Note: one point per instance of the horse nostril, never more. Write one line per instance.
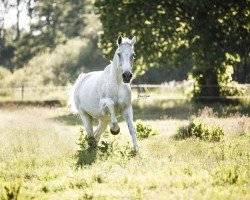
(123, 75)
(130, 75)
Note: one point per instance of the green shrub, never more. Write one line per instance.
(200, 130)
(4, 75)
(5, 92)
(4, 72)
(144, 131)
(89, 151)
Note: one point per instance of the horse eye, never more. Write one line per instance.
(119, 54)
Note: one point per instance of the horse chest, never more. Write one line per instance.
(120, 97)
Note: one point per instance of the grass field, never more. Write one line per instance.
(39, 154)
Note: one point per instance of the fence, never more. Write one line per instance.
(174, 91)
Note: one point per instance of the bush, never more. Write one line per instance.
(5, 93)
(89, 151)
(200, 130)
(18, 78)
(4, 73)
(144, 131)
(58, 67)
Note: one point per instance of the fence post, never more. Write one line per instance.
(22, 91)
(138, 91)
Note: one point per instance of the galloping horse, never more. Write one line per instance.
(105, 94)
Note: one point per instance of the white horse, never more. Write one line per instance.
(105, 94)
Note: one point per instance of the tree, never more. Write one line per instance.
(17, 19)
(54, 22)
(6, 49)
(213, 35)
(58, 20)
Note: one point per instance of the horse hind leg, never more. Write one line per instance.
(102, 126)
(87, 122)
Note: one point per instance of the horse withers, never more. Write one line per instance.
(105, 94)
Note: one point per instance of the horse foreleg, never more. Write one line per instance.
(108, 103)
(127, 114)
(100, 129)
(87, 122)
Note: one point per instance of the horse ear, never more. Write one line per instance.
(119, 40)
(133, 40)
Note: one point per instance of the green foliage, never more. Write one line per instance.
(227, 175)
(58, 67)
(51, 23)
(4, 74)
(217, 81)
(144, 131)
(17, 79)
(228, 87)
(180, 32)
(89, 151)
(198, 129)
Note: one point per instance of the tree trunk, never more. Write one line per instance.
(30, 13)
(17, 20)
(209, 86)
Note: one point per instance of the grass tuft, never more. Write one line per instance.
(12, 190)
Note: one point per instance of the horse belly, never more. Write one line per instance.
(90, 104)
(89, 97)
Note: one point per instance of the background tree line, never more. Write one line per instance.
(207, 40)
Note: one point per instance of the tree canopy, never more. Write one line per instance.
(51, 23)
(212, 35)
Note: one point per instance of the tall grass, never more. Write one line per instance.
(40, 150)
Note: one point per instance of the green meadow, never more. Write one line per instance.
(43, 155)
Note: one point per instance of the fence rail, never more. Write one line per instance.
(141, 91)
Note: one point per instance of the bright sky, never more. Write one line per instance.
(10, 18)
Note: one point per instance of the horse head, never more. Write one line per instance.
(125, 57)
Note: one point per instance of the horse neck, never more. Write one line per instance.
(116, 73)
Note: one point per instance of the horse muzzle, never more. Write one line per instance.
(126, 76)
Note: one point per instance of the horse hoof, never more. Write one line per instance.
(115, 132)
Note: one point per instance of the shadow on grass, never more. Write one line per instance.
(169, 109)
(69, 119)
(183, 109)
(85, 157)
(87, 152)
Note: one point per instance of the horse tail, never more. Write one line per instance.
(71, 92)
